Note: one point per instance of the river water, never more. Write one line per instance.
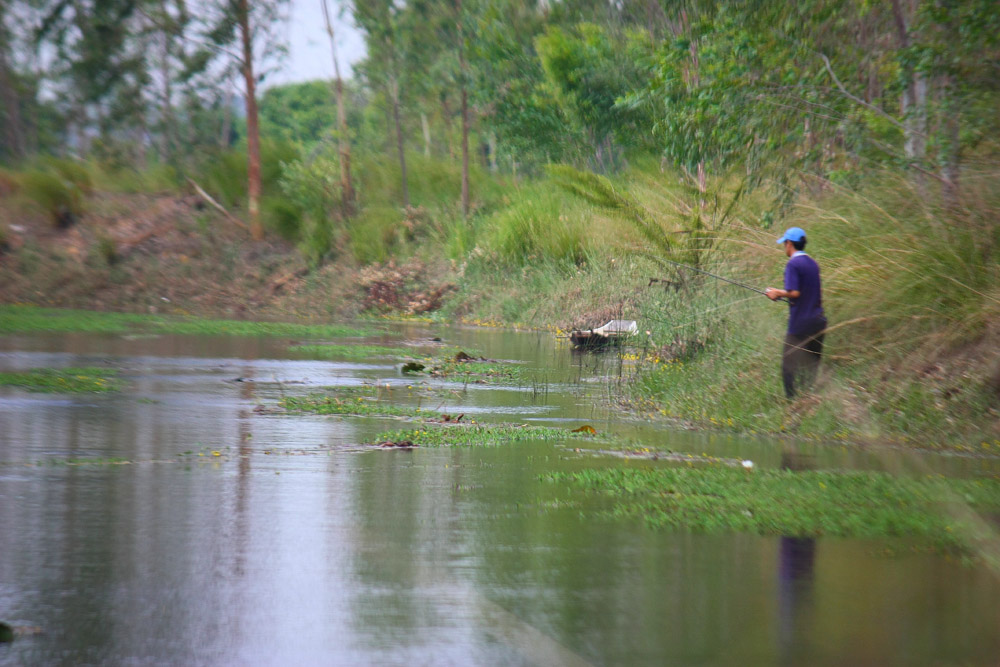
(297, 545)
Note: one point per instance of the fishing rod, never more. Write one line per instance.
(712, 275)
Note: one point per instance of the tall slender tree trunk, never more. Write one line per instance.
(465, 109)
(426, 127)
(389, 131)
(227, 120)
(913, 102)
(253, 130)
(694, 79)
(400, 147)
(446, 116)
(167, 139)
(11, 105)
(953, 146)
(343, 145)
(393, 89)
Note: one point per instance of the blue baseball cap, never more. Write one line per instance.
(794, 234)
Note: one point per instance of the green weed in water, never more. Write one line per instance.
(470, 369)
(792, 503)
(364, 406)
(30, 319)
(64, 380)
(477, 434)
(353, 352)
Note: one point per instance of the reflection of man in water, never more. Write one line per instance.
(796, 558)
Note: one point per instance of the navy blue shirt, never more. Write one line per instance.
(805, 315)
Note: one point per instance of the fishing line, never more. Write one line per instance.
(718, 277)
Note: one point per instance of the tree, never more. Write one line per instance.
(379, 20)
(343, 144)
(10, 99)
(464, 93)
(224, 24)
(588, 71)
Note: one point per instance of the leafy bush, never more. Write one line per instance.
(106, 250)
(78, 174)
(59, 198)
(155, 177)
(283, 216)
(224, 175)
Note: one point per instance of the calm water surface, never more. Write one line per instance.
(300, 546)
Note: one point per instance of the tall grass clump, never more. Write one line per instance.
(907, 271)
(60, 199)
(539, 223)
(154, 177)
(913, 287)
(77, 173)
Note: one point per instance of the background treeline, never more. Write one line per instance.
(458, 98)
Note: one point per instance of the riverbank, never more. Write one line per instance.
(911, 291)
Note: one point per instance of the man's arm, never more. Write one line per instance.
(773, 293)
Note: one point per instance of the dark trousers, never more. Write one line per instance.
(800, 361)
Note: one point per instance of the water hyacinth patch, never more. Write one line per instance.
(352, 352)
(478, 434)
(346, 404)
(463, 367)
(792, 503)
(28, 319)
(64, 380)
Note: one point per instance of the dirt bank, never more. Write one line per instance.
(169, 253)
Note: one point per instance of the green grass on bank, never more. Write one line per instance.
(794, 503)
(31, 319)
(912, 291)
(64, 380)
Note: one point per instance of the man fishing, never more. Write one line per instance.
(806, 322)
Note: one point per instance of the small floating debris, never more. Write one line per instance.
(412, 367)
(8, 632)
(398, 444)
(615, 331)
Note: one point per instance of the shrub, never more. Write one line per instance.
(155, 177)
(74, 172)
(224, 174)
(376, 233)
(106, 250)
(282, 216)
(59, 198)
